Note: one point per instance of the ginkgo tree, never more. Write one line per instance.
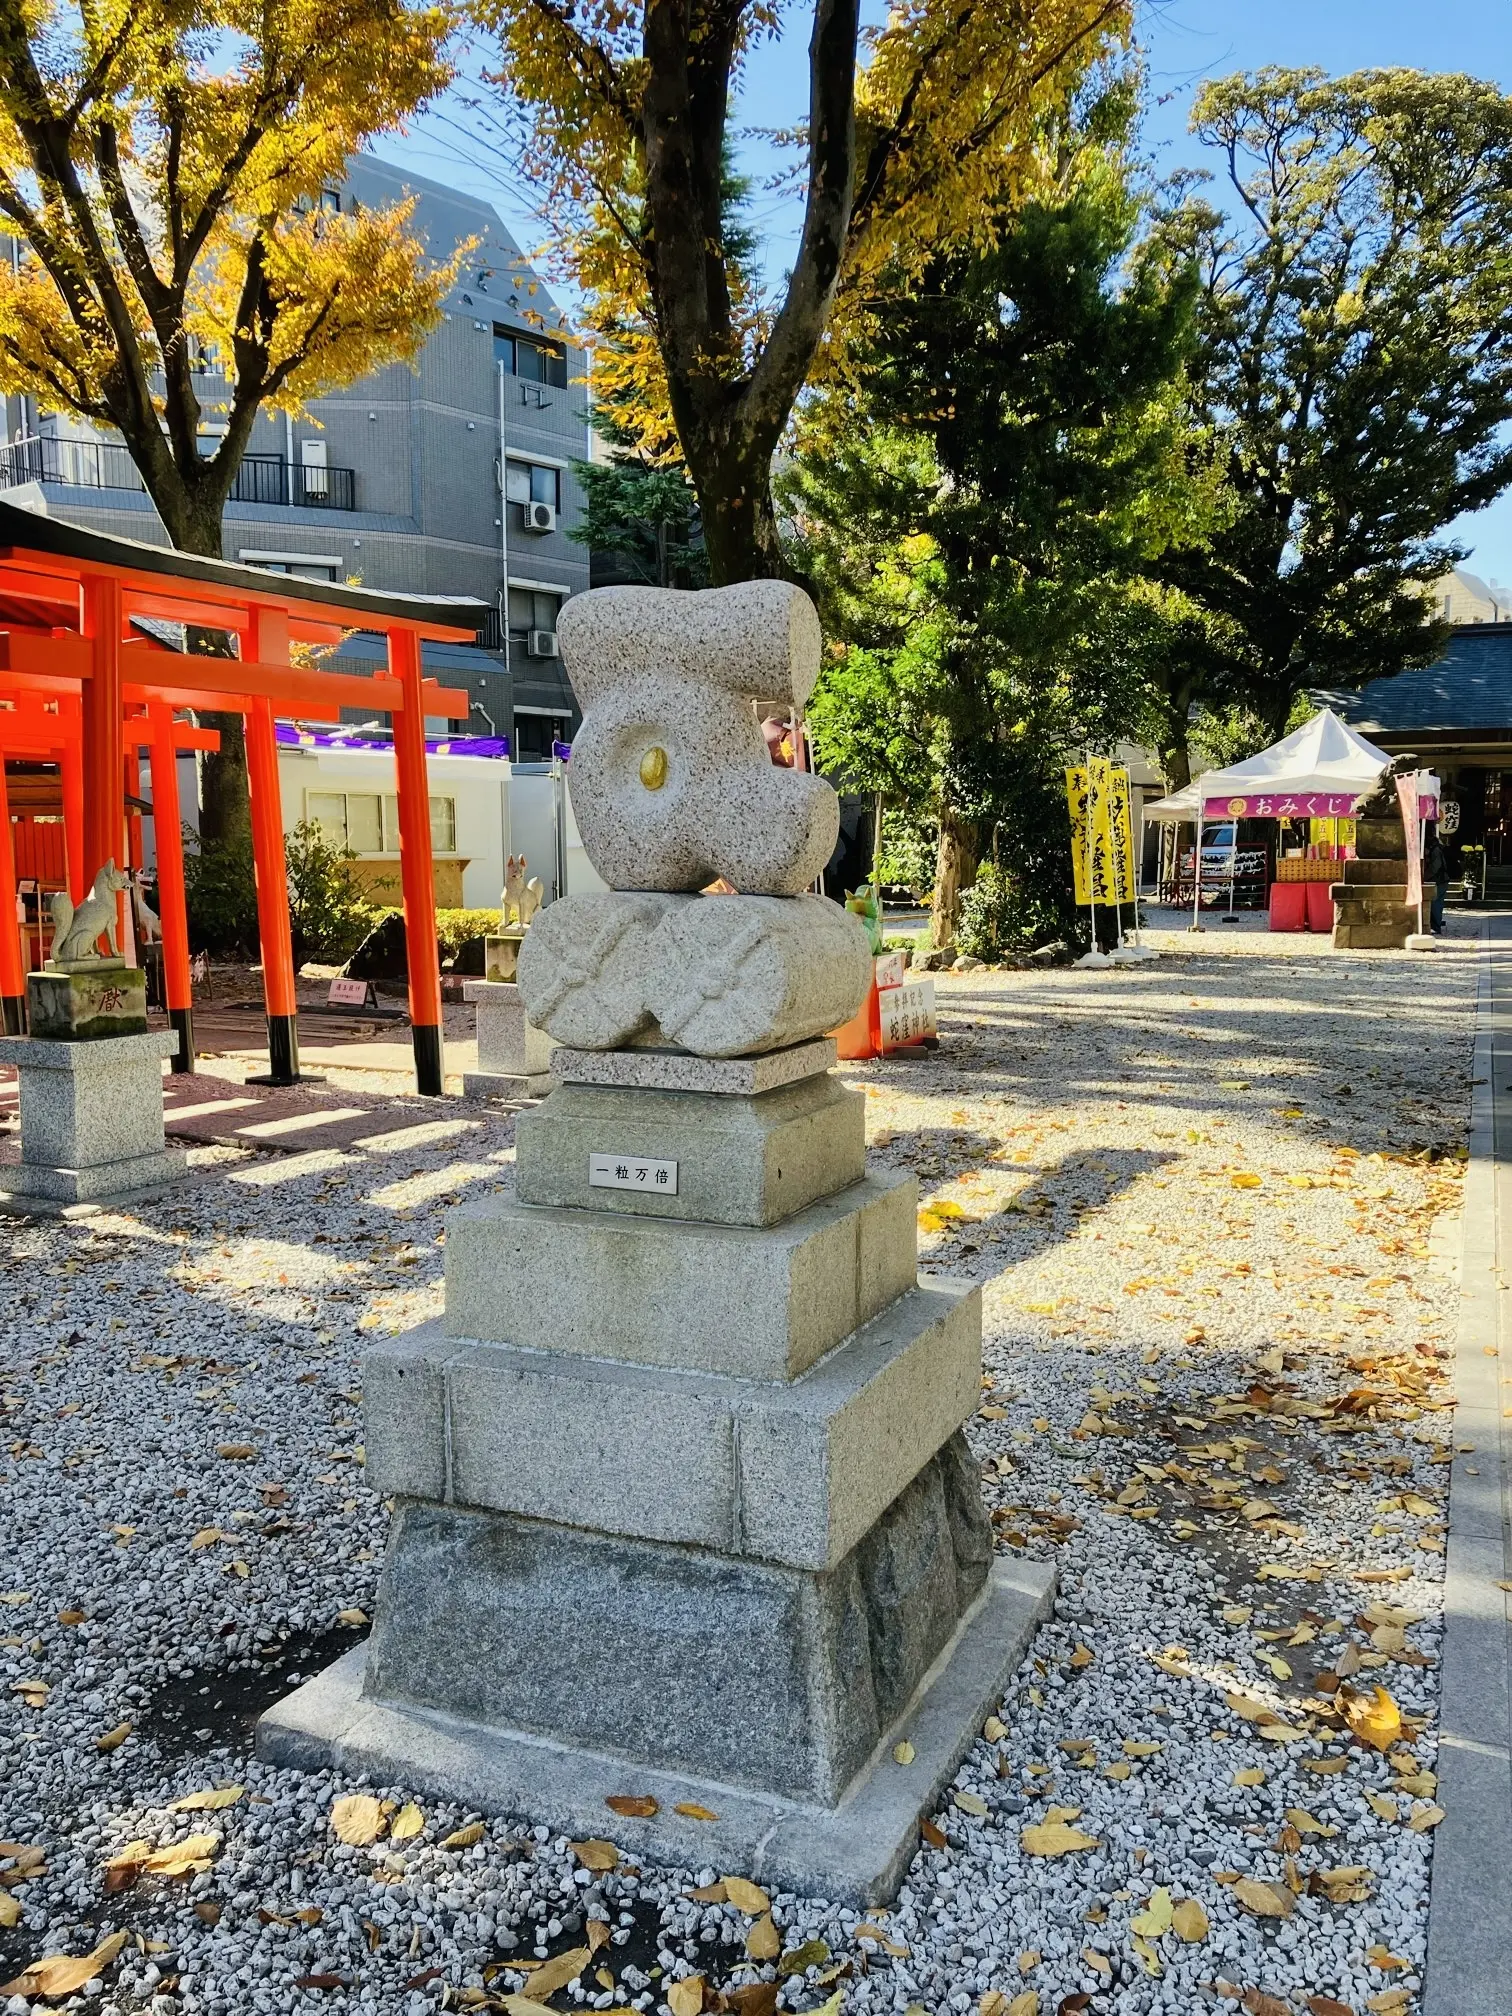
(162, 167)
(913, 137)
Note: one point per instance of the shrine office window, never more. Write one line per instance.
(367, 822)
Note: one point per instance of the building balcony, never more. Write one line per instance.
(107, 465)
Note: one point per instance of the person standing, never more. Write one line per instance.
(1436, 871)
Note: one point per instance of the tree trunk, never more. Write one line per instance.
(955, 871)
(739, 520)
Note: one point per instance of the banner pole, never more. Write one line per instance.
(1196, 924)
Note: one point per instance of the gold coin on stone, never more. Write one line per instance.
(653, 768)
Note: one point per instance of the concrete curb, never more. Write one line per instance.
(1469, 1921)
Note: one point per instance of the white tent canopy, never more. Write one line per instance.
(1323, 757)
(1180, 808)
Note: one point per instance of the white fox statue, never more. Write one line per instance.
(76, 932)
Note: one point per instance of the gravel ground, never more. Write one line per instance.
(1210, 1199)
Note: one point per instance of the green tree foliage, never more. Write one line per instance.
(974, 512)
(1353, 381)
(329, 911)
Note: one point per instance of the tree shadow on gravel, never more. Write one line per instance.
(1056, 1198)
(1347, 1050)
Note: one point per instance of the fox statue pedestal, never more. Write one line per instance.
(684, 1506)
(91, 1074)
(91, 1120)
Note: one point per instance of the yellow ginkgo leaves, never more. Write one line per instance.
(60, 1974)
(1374, 1718)
(358, 1819)
(1055, 1836)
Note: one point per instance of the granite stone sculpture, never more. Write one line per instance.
(674, 788)
(76, 933)
(672, 781)
(683, 1502)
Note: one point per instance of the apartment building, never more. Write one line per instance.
(451, 477)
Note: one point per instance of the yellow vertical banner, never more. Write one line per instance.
(1116, 799)
(1097, 797)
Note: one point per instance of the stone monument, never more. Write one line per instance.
(683, 1506)
(91, 1084)
(512, 1053)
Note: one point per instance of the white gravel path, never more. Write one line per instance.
(1173, 1319)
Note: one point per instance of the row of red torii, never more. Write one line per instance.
(82, 685)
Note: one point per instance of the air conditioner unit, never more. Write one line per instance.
(540, 517)
(543, 644)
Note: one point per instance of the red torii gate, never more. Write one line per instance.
(76, 678)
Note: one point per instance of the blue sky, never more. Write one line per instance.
(1185, 41)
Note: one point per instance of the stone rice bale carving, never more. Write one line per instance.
(722, 976)
(734, 975)
(585, 965)
(672, 782)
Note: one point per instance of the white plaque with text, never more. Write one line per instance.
(632, 1172)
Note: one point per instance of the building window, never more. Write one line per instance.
(532, 483)
(330, 200)
(532, 618)
(367, 822)
(534, 358)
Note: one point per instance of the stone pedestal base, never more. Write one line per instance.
(855, 1851)
(86, 1004)
(681, 1478)
(504, 1085)
(91, 1119)
(513, 1056)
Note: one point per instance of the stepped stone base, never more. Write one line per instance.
(506, 1085)
(856, 1851)
(779, 1679)
(741, 1160)
(91, 1118)
(790, 1472)
(759, 1303)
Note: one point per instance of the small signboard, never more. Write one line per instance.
(892, 969)
(907, 1013)
(352, 994)
(632, 1172)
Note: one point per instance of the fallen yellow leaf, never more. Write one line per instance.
(1425, 1817)
(1132, 1747)
(1305, 1823)
(1264, 1900)
(558, 1972)
(1025, 2004)
(690, 1810)
(685, 1997)
(1374, 1718)
(357, 1819)
(1189, 1921)
(1157, 1917)
(60, 1974)
(1250, 1777)
(763, 1941)
(1054, 1837)
(465, 1837)
(209, 1801)
(598, 1855)
(114, 1738)
(747, 1897)
(408, 1822)
(903, 1753)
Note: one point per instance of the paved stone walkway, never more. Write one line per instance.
(1470, 1917)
